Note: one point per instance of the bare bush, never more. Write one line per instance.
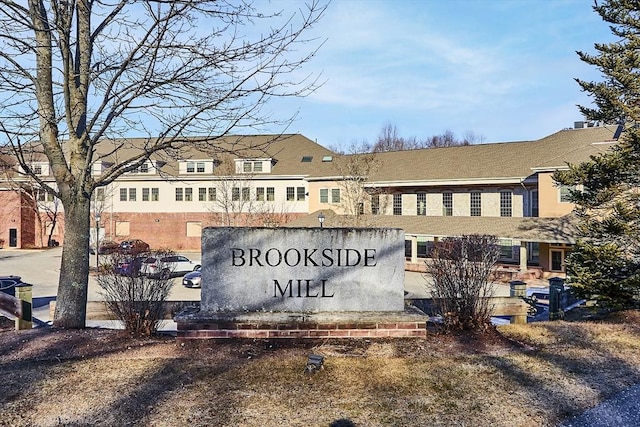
(135, 299)
(461, 268)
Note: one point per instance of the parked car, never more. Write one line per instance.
(8, 284)
(107, 247)
(193, 279)
(168, 266)
(133, 247)
(130, 266)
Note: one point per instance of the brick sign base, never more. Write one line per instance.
(410, 323)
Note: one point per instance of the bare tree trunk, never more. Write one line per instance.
(71, 306)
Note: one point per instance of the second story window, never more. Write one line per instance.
(476, 203)
(179, 194)
(301, 194)
(506, 203)
(375, 204)
(447, 203)
(421, 204)
(565, 193)
(324, 195)
(397, 204)
(290, 194)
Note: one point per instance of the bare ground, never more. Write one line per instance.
(538, 374)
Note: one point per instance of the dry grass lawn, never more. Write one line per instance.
(538, 374)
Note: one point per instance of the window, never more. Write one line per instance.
(506, 250)
(188, 194)
(565, 193)
(100, 194)
(246, 194)
(557, 260)
(447, 203)
(271, 194)
(257, 166)
(535, 204)
(155, 194)
(301, 194)
(476, 203)
(37, 169)
(335, 195)
(144, 168)
(246, 167)
(421, 204)
(191, 167)
(235, 194)
(306, 159)
(145, 194)
(360, 208)
(375, 204)
(260, 194)
(179, 195)
(123, 194)
(290, 194)
(202, 194)
(397, 204)
(505, 203)
(324, 195)
(132, 194)
(212, 194)
(200, 167)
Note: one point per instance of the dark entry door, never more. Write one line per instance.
(13, 237)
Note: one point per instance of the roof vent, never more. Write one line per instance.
(327, 158)
(306, 159)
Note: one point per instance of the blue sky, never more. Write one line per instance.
(502, 69)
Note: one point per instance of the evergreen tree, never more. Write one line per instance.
(605, 264)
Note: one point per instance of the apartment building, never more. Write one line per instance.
(503, 189)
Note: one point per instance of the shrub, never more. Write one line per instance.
(136, 300)
(461, 268)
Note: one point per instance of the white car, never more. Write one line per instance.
(168, 266)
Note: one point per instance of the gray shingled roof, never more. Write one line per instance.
(499, 160)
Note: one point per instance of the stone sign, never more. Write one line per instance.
(302, 269)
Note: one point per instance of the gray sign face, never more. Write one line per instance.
(302, 269)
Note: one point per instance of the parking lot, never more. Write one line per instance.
(41, 268)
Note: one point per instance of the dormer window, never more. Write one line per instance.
(253, 165)
(37, 169)
(196, 166)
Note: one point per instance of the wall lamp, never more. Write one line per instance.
(321, 218)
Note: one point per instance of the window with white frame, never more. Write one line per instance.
(202, 194)
(260, 194)
(565, 193)
(335, 195)
(155, 194)
(188, 194)
(397, 204)
(246, 194)
(145, 194)
(271, 194)
(257, 166)
(301, 194)
(123, 194)
(235, 194)
(179, 194)
(211, 191)
(476, 203)
(506, 201)
(100, 194)
(132, 194)
(447, 203)
(421, 204)
(324, 195)
(291, 194)
(375, 204)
